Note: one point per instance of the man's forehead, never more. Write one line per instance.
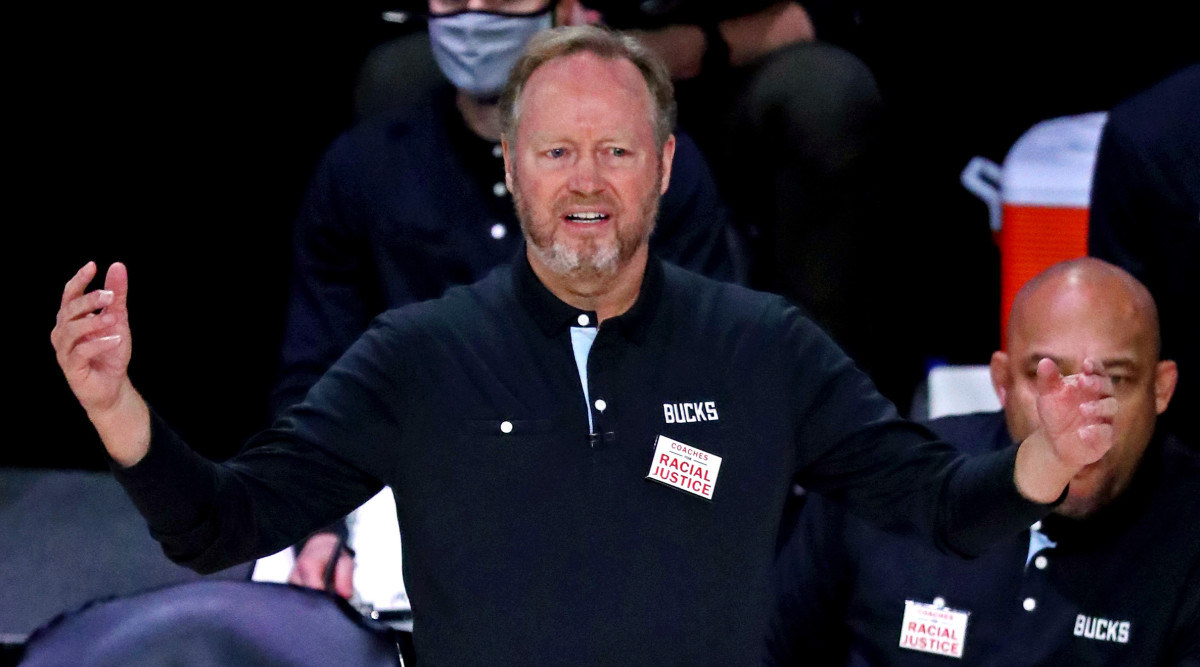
(1068, 328)
(582, 62)
(607, 98)
(580, 74)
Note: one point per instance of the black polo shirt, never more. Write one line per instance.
(532, 538)
(1119, 588)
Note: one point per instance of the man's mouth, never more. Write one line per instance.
(587, 218)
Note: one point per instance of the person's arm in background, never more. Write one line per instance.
(746, 38)
(683, 46)
(1113, 233)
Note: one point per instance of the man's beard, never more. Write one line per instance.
(594, 257)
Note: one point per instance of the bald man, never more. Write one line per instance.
(1111, 578)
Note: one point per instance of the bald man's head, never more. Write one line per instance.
(1088, 308)
(1088, 274)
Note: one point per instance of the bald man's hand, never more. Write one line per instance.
(92, 344)
(1075, 429)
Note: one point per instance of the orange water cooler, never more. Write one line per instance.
(1039, 199)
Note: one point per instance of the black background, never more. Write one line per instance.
(180, 139)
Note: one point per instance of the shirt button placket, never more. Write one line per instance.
(597, 391)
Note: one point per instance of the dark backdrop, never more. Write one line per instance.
(180, 140)
(968, 78)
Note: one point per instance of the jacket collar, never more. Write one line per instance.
(554, 315)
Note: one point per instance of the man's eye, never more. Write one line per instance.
(1116, 379)
(556, 152)
(619, 152)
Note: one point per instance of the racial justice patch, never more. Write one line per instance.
(684, 467)
(933, 629)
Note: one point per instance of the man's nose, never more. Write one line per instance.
(586, 177)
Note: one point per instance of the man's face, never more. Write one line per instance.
(584, 169)
(1068, 321)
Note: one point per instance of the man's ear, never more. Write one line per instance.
(668, 157)
(1001, 376)
(1166, 374)
(507, 164)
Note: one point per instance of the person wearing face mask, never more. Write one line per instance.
(406, 205)
(475, 49)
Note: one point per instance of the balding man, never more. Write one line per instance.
(1112, 577)
(590, 449)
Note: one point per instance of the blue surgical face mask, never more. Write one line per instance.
(476, 50)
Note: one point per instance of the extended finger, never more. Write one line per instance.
(1048, 377)
(117, 282)
(72, 333)
(1093, 366)
(88, 303)
(1100, 385)
(343, 577)
(75, 286)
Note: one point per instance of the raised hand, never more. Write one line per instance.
(91, 337)
(1076, 415)
(92, 343)
(1076, 412)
